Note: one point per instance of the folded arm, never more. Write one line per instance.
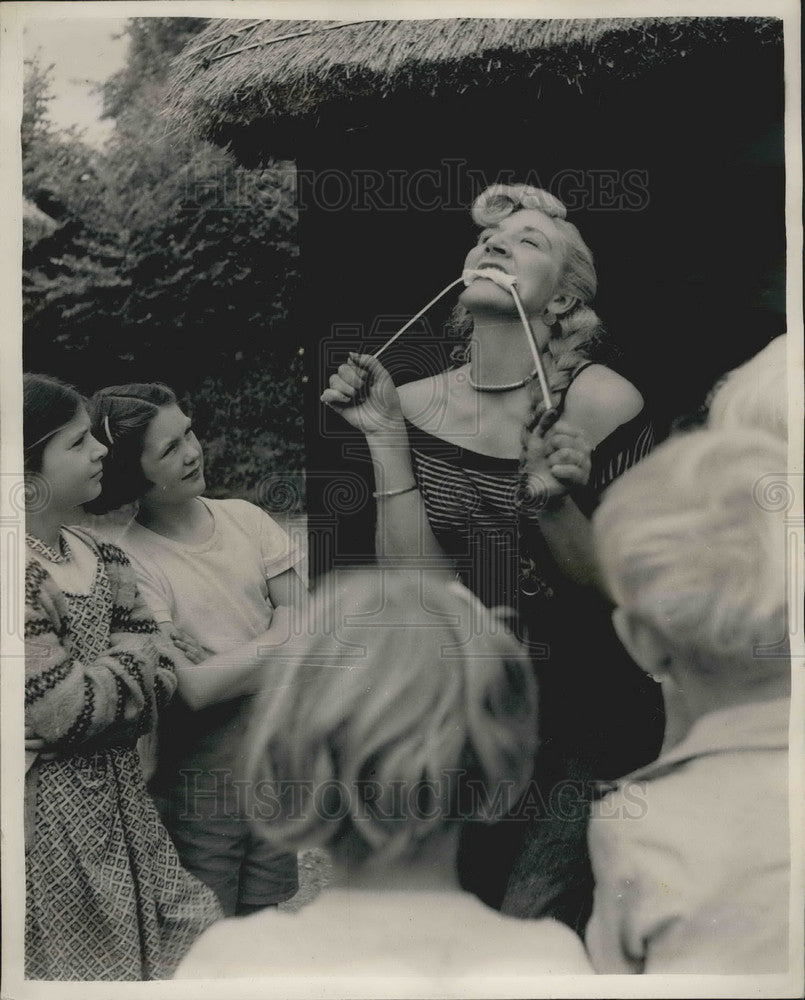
(68, 701)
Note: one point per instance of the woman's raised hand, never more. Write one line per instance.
(363, 393)
(558, 456)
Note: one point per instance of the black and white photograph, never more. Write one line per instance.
(401, 501)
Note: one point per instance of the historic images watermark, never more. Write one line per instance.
(451, 185)
(456, 795)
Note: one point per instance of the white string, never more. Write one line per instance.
(532, 343)
(413, 319)
(530, 336)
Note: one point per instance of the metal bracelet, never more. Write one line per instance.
(381, 494)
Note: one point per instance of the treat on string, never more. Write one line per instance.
(509, 282)
(506, 281)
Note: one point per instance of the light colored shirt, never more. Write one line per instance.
(429, 938)
(217, 590)
(691, 854)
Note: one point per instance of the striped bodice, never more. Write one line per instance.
(470, 500)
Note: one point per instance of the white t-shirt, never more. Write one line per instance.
(691, 853)
(218, 590)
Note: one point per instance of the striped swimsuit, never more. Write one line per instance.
(471, 503)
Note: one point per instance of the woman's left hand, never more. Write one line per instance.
(558, 457)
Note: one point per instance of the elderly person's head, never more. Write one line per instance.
(691, 544)
(406, 709)
(755, 394)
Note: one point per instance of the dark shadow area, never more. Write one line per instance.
(675, 180)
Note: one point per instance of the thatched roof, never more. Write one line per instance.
(239, 73)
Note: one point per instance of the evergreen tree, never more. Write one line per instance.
(171, 262)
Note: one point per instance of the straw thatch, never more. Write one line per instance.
(238, 73)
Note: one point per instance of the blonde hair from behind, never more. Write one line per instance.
(691, 543)
(755, 394)
(395, 715)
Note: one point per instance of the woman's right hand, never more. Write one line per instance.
(363, 393)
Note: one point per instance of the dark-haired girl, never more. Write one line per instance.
(219, 577)
(107, 897)
(492, 489)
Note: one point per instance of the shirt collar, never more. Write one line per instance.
(757, 725)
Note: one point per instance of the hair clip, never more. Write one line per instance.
(43, 438)
(107, 431)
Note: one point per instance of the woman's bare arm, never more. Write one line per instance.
(597, 404)
(365, 396)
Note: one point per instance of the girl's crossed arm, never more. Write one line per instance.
(69, 702)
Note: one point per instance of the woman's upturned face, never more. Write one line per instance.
(172, 459)
(71, 462)
(525, 244)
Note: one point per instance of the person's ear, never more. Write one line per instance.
(561, 304)
(643, 645)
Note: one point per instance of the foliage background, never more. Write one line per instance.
(169, 263)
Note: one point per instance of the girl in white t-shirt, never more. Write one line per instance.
(219, 576)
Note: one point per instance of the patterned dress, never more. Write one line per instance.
(106, 896)
(599, 715)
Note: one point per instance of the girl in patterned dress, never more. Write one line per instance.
(106, 896)
(475, 474)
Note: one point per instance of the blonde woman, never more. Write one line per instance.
(471, 476)
(395, 721)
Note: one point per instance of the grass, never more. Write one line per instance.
(315, 873)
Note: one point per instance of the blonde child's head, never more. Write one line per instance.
(405, 708)
(691, 543)
(755, 394)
